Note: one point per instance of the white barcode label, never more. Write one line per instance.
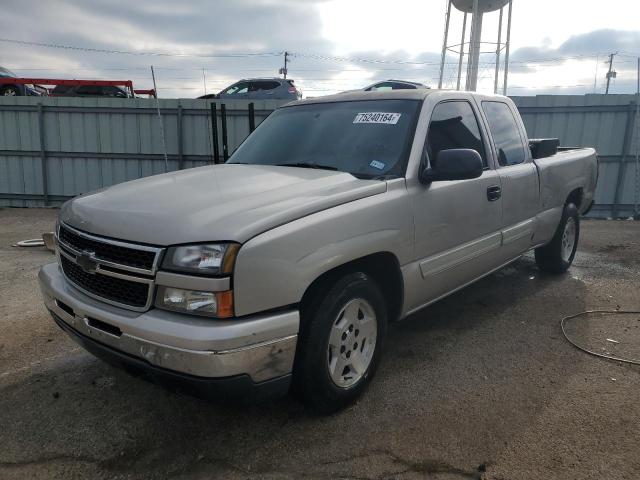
(377, 117)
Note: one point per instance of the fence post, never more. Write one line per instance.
(225, 146)
(214, 133)
(43, 155)
(252, 118)
(622, 167)
(180, 153)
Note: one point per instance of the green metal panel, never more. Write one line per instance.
(598, 121)
(95, 142)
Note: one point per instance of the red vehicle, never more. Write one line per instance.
(78, 88)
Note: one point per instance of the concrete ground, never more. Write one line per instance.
(480, 385)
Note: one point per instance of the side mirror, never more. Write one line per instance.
(454, 164)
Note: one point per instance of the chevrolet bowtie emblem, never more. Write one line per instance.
(86, 262)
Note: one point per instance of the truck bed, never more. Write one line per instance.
(568, 170)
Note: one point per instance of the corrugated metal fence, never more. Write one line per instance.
(54, 148)
(606, 122)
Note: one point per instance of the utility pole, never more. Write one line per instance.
(283, 70)
(611, 73)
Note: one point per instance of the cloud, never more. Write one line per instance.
(578, 65)
(586, 45)
(204, 27)
(199, 28)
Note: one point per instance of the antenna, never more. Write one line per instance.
(164, 140)
(477, 8)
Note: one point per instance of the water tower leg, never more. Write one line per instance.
(464, 31)
(498, 48)
(474, 48)
(444, 43)
(506, 52)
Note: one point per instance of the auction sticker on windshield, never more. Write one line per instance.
(377, 117)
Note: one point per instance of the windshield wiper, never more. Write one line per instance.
(308, 165)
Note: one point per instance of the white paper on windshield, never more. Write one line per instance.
(377, 117)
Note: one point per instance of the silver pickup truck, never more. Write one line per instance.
(281, 269)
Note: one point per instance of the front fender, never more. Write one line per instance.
(274, 269)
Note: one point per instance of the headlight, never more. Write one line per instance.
(210, 258)
(212, 304)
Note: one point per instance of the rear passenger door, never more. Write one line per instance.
(518, 177)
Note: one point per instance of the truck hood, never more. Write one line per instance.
(214, 203)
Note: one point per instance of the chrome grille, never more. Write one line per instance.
(115, 289)
(106, 250)
(114, 272)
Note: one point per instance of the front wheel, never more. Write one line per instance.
(10, 91)
(557, 256)
(340, 346)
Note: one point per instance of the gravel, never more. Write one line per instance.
(479, 385)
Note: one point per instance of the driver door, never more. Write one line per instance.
(457, 223)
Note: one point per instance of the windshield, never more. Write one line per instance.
(368, 139)
(6, 73)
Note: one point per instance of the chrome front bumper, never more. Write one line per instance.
(262, 346)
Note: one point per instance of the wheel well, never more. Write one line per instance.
(575, 197)
(382, 267)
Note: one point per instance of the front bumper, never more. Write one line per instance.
(260, 348)
(235, 388)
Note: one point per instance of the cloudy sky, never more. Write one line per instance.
(558, 46)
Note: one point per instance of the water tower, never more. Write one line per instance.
(477, 8)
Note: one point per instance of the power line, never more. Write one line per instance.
(127, 52)
(313, 56)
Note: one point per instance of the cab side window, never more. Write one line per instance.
(238, 88)
(505, 133)
(453, 125)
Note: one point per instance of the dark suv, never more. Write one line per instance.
(88, 91)
(260, 89)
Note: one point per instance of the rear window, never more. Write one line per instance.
(366, 138)
(386, 86)
(505, 133)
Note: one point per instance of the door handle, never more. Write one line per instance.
(494, 193)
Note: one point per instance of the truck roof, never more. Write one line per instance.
(411, 94)
(417, 94)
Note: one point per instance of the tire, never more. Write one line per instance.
(10, 91)
(557, 256)
(336, 357)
